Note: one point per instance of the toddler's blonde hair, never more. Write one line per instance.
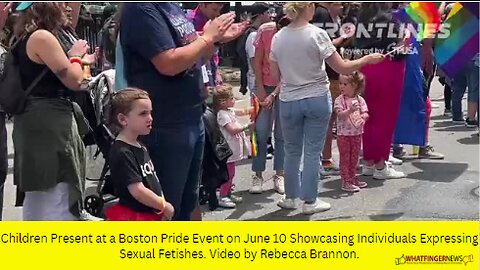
(358, 80)
(222, 93)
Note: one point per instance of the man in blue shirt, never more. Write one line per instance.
(161, 50)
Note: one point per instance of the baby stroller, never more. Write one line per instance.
(96, 107)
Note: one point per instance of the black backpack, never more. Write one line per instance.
(13, 95)
(242, 40)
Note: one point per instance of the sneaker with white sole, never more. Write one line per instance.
(287, 203)
(85, 216)
(359, 183)
(387, 173)
(317, 207)
(329, 168)
(349, 187)
(458, 122)
(428, 152)
(279, 184)
(226, 202)
(367, 170)
(257, 185)
(471, 123)
(394, 160)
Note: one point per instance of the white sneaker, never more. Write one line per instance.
(287, 203)
(226, 202)
(394, 160)
(257, 185)
(368, 171)
(387, 173)
(318, 206)
(279, 184)
(85, 216)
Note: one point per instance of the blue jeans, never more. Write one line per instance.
(177, 154)
(304, 124)
(263, 129)
(468, 78)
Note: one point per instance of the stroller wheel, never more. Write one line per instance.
(94, 205)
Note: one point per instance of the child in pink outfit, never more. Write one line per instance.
(234, 133)
(352, 113)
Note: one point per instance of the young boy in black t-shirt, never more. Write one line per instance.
(132, 171)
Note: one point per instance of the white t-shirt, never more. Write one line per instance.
(238, 143)
(250, 49)
(300, 54)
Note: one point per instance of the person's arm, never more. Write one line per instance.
(128, 174)
(44, 47)
(427, 56)
(364, 109)
(233, 128)
(243, 112)
(156, 42)
(338, 42)
(274, 70)
(258, 66)
(250, 48)
(175, 61)
(340, 110)
(146, 196)
(212, 50)
(236, 128)
(75, 6)
(341, 66)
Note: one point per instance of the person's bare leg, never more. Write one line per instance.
(369, 163)
(472, 110)
(327, 148)
(380, 165)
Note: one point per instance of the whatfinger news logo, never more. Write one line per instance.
(434, 259)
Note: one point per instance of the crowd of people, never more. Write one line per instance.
(308, 89)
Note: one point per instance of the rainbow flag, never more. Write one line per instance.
(425, 14)
(452, 53)
(256, 111)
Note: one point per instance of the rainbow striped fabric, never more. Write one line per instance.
(256, 112)
(425, 14)
(454, 52)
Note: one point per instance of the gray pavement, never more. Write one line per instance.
(433, 190)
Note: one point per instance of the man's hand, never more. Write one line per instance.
(234, 31)
(5, 9)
